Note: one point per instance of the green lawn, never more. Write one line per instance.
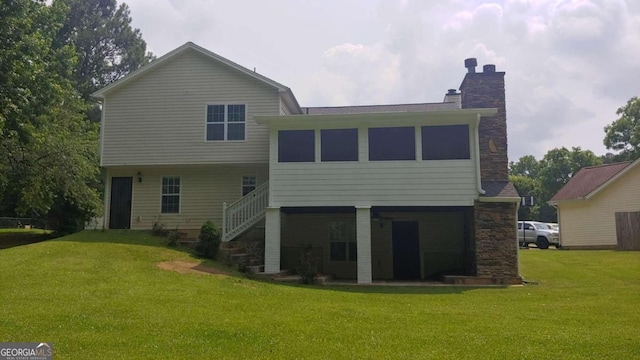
(14, 237)
(101, 296)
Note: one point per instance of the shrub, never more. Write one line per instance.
(208, 240)
(158, 229)
(308, 269)
(174, 238)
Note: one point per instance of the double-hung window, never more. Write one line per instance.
(226, 122)
(342, 241)
(170, 195)
(248, 184)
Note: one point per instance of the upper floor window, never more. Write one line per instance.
(392, 143)
(339, 145)
(248, 184)
(226, 122)
(170, 195)
(296, 146)
(446, 142)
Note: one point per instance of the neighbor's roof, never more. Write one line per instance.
(590, 180)
(191, 46)
(365, 109)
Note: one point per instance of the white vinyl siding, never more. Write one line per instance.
(372, 183)
(592, 222)
(203, 189)
(157, 118)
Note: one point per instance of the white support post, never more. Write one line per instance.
(272, 241)
(363, 238)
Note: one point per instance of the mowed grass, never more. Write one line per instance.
(101, 296)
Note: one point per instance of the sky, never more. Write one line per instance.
(570, 64)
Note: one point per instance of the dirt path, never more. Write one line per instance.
(186, 267)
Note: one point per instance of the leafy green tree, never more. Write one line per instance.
(48, 152)
(623, 135)
(526, 166)
(560, 164)
(526, 186)
(544, 178)
(107, 47)
(556, 169)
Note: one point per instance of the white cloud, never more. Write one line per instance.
(570, 63)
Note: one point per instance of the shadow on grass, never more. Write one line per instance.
(12, 239)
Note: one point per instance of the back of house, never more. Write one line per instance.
(406, 191)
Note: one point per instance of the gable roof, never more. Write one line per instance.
(284, 91)
(590, 180)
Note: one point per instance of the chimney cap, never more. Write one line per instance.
(452, 92)
(471, 64)
(489, 68)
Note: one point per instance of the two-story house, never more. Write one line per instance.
(409, 191)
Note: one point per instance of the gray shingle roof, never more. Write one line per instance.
(499, 189)
(363, 109)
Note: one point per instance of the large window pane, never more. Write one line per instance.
(235, 131)
(447, 142)
(236, 113)
(392, 143)
(215, 113)
(339, 145)
(296, 146)
(215, 131)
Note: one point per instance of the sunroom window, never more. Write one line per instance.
(296, 146)
(392, 143)
(445, 142)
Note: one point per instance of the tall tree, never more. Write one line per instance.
(556, 169)
(623, 135)
(48, 153)
(526, 166)
(107, 47)
(560, 164)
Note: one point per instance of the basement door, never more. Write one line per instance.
(405, 240)
(120, 205)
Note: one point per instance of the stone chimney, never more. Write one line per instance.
(486, 90)
(452, 96)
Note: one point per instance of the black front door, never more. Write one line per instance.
(120, 207)
(406, 250)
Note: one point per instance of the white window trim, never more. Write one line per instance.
(255, 186)
(226, 121)
(179, 195)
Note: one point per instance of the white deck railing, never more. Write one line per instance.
(244, 213)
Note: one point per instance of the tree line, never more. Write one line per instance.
(52, 57)
(543, 178)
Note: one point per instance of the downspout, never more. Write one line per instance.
(478, 179)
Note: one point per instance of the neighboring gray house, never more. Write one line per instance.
(409, 191)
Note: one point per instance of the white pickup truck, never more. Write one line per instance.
(537, 233)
